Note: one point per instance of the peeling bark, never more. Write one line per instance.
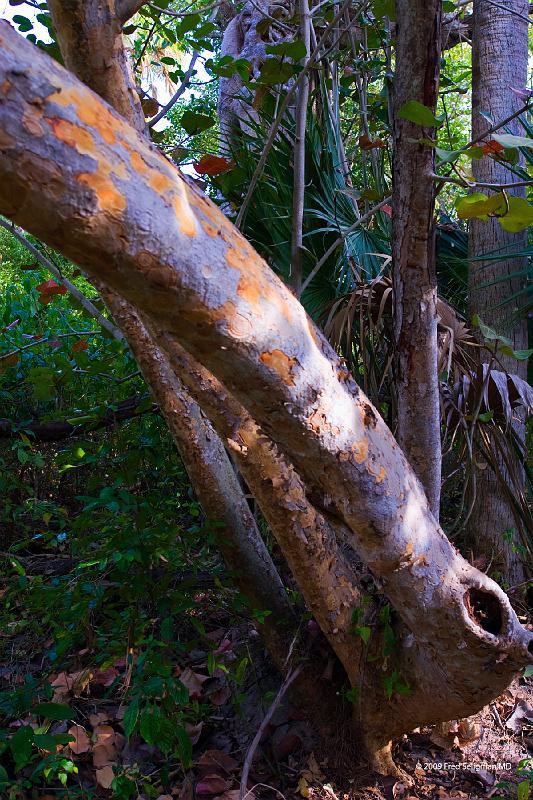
(90, 186)
(413, 245)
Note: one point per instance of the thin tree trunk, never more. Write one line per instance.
(302, 101)
(413, 245)
(90, 186)
(499, 62)
(90, 37)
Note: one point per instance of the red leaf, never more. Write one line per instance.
(84, 345)
(387, 210)
(492, 147)
(370, 144)
(216, 759)
(51, 287)
(212, 165)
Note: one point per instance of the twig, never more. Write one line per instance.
(474, 184)
(177, 94)
(73, 290)
(340, 240)
(257, 738)
(510, 11)
(169, 13)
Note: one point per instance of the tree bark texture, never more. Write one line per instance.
(80, 179)
(413, 245)
(499, 63)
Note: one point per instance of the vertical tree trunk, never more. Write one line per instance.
(499, 62)
(413, 245)
(90, 37)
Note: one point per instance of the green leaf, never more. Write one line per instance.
(447, 155)
(486, 417)
(295, 50)
(509, 140)
(489, 333)
(196, 123)
(528, 672)
(21, 745)
(365, 633)
(274, 71)
(478, 205)
(523, 790)
(519, 217)
(131, 716)
(150, 724)
(385, 8)
(53, 711)
(47, 741)
(184, 747)
(416, 112)
(474, 152)
(24, 23)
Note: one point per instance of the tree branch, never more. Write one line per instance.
(126, 9)
(57, 430)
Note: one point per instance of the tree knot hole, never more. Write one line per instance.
(484, 609)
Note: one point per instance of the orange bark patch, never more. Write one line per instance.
(379, 476)
(74, 136)
(210, 229)
(90, 111)
(109, 198)
(185, 216)
(248, 289)
(139, 164)
(160, 182)
(360, 451)
(280, 363)
(6, 140)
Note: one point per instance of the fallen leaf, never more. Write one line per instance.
(303, 788)
(214, 759)
(98, 719)
(212, 784)
(220, 697)
(194, 731)
(81, 743)
(73, 683)
(287, 745)
(105, 777)
(101, 756)
(522, 714)
(193, 681)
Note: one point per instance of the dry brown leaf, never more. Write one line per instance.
(303, 787)
(212, 760)
(81, 743)
(193, 681)
(102, 756)
(105, 777)
(98, 719)
(194, 731)
(212, 784)
(72, 683)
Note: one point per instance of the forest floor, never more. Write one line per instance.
(484, 756)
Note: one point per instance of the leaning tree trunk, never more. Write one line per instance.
(499, 63)
(75, 175)
(90, 38)
(413, 245)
